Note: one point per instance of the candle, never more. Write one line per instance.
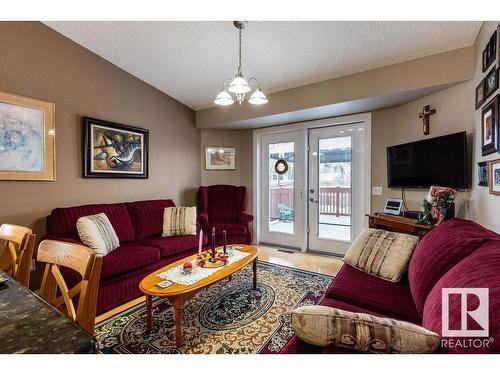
(213, 242)
(200, 242)
(224, 239)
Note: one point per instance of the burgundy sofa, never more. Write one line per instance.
(142, 250)
(224, 207)
(457, 254)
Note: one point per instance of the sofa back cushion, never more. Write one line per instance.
(62, 221)
(147, 216)
(440, 250)
(479, 270)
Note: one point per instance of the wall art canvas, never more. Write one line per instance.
(114, 150)
(490, 52)
(220, 158)
(491, 82)
(494, 176)
(480, 94)
(27, 131)
(482, 169)
(489, 127)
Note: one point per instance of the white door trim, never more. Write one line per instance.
(366, 118)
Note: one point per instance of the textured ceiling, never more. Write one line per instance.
(190, 60)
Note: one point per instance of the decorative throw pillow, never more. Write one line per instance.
(381, 253)
(96, 232)
(179, 221)
(323, 326)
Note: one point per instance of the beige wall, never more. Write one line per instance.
(40, 63)
(485, 207)
(454, 113)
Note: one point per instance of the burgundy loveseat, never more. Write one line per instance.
(457, 254)
(224, 207)
(142, 250)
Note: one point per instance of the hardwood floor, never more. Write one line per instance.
(304, 261)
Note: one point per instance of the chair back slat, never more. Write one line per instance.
(78, 258)
(17, 251)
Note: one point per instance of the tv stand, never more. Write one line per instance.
(398, 224)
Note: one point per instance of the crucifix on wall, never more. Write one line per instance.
(425, 116)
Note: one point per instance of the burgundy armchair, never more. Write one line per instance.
(224, 207)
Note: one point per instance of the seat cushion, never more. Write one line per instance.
(479, 270)
(62, 221)
(383, 297)
(128, 256)
(231, 228)
(172, 245)
(440, 250)
(147, 216)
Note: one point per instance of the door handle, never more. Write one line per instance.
(313, 200)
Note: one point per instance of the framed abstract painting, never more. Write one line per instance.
(114, 150)
(27, 144)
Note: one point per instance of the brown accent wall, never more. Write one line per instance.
(41, 63)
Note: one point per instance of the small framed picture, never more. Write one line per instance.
(494, 176)
(480, 94)
(491, 82)
(220, 158)
(490, 52)
(489, 127)
(482, 171)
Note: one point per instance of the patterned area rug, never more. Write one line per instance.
(227, 317)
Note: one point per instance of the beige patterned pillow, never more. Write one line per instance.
(179, 221)
(96, 232)
(323, 326)
(381, 253)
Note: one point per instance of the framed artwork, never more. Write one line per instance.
(220, 158)
(480, 94)
(114, 150)
(491, 82)
(489, 126)
(494, 176)
(490, 52)
(27, 144)
(482, 173)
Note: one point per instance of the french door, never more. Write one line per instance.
(282, 183)
(314, 186)
(336, 190)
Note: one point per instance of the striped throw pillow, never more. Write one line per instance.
(179, 221)
(324, 326)
(96, 232)
(382, 253)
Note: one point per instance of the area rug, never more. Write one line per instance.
(227, 317)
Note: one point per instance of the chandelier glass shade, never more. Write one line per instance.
(235, 89)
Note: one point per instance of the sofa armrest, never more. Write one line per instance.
(203, 219)
(246, 217)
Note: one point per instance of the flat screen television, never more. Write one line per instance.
(435, 161)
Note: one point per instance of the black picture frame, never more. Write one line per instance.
(490, 83)
(489, 127)
(490, 52)
(480, 94)
(482, 171)
(136, 146)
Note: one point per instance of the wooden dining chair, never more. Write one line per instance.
(82, 260)
(17, 252)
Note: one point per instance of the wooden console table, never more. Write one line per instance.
(398, 224)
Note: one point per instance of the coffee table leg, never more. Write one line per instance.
(149, 310)
(255, 274)
(178, 323)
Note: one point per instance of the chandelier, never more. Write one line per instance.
(238, 87)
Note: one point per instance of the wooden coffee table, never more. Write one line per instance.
(179, 294)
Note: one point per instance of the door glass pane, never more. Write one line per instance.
(281, 187)
(335, 188)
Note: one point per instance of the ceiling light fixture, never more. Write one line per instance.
(239, 86)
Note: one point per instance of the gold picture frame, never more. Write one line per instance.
(27, 138)
(494, 176)
(220, 158)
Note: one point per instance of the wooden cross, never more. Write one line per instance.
(426, 112)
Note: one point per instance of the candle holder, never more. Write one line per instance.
(207, 260)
